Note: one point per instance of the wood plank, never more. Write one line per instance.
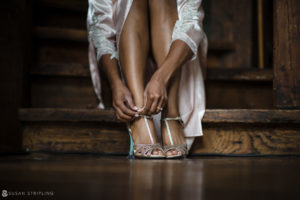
(221, 85)
(286, 53)
(66, 92)
(80, 35)
(239, 94)
(251, 116)
(232, 20)
(246, 139)
(82, 70)
(65, 176)
(72, 5)
(61, 69)
(68, 115)
(211, 115)
(61, 33)
(60, 52)
(240, 74)
(108, 138)
(76, 137)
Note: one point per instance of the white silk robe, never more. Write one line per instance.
(105, 21)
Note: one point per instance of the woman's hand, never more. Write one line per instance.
(155, 95)
(123, 102)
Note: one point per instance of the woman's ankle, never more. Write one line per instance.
(176, 131)
(140, 131)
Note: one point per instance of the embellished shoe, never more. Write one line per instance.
(144, 150)
(181, 148)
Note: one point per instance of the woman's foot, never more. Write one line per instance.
(144, 134)
(177, 136)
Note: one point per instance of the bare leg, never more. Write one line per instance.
(134, 49)
(163, 17)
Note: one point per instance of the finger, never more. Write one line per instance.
(160, 105)
(125, 109)
(154, 106)
(122, 115)
(119, 118)
(165, 101)
(130, 103)
(147, 104)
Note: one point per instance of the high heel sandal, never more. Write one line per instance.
(144, 150)
(181, 148)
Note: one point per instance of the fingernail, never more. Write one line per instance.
(135, 108)
(136, 115)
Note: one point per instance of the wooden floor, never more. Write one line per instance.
(73, 176)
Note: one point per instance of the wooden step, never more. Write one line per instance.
(240, 74)
(226, 132)
(61, 69)
(68, 5)
(71, 91)
(219, 74)
(61, 33)
(60, 92)
(80, 35)
(211, 115)
(221, 84)
(63, 51)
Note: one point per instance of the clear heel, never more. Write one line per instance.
(131, 154)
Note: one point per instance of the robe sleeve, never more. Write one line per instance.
(101, 27)
(188, 27)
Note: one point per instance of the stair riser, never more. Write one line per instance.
(68, 92)
(59, 51)
(239, 94)
(111, 138)
(77, 92)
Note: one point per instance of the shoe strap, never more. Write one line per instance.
(168, 127)
(148, 127)
(174, 119)
(146, 117)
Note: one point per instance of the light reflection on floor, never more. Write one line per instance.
(102, 177)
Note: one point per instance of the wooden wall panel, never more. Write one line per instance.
(238, 94)
(231, 20)
(15, 56)
(286, 53)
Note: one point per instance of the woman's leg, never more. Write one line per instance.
(163, 15)
(134, 50)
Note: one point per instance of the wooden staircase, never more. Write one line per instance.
(226, 131)
(62, 116)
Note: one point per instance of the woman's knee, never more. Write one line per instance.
(162, 7)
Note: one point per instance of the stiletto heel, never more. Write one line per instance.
(130, 155)
(182, 148)
(144, 150)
